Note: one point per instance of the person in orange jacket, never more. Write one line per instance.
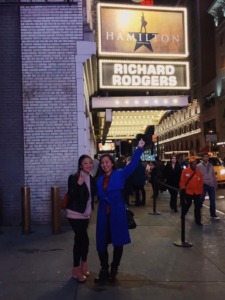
(191, 184)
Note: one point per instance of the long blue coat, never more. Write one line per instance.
(114, 197)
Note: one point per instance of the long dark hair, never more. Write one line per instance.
(80, 160)
(100, 171)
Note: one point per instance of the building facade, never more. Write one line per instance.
(45, 118)
(205, 130)
(214, 100)
(180, 132)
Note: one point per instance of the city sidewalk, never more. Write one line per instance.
(38, 266)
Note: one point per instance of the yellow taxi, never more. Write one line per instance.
(218, 168)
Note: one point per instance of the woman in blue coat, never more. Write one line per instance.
(111, 217)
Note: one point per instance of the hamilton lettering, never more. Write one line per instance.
(120, 37)
(164, 38)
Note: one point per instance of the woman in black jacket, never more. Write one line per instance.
(81, 190)
(172, 174)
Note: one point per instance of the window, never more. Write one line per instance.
(222, 61)
(221, 39)
(209, 100)
(108, 146)
(215, 161)
(223, 86)
(210, 127)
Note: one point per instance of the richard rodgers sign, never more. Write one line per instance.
(127, 74)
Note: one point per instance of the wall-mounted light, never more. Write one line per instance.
(216, 20)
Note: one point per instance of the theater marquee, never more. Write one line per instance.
(147, 75)
(142, 31)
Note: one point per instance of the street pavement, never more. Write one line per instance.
(38, 266)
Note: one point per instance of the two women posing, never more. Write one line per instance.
(111, 217)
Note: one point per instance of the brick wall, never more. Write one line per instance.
(44, 126)
(48, 42)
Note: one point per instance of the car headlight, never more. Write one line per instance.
(222, 172)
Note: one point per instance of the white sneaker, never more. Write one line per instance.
(215, 218)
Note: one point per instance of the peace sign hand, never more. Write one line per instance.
(80, 180)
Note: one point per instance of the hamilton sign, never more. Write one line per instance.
(142, 31)
(131, 74)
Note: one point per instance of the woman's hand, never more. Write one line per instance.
(80, 180)
(141, 143)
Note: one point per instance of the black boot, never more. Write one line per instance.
(112, 274)
(103, 276)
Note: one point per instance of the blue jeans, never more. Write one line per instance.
(211, 192)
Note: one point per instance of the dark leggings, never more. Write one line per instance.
(138, 189)
(104, 257)
(173, 198)
(81, 240)
(117, 251)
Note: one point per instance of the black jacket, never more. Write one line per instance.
(172, 175)
(79, 194)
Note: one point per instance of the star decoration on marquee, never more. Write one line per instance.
(143, 39)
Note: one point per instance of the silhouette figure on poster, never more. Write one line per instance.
(143, 23)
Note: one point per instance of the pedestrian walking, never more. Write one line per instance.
(128, 189)
(121, 162)
(160, 171)
(191, 184)
(183, 165)
(172, 173)
(138, 183)
(153, 178)
(209, 184)
(112, 224)
(181, 161)
(81, 190)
